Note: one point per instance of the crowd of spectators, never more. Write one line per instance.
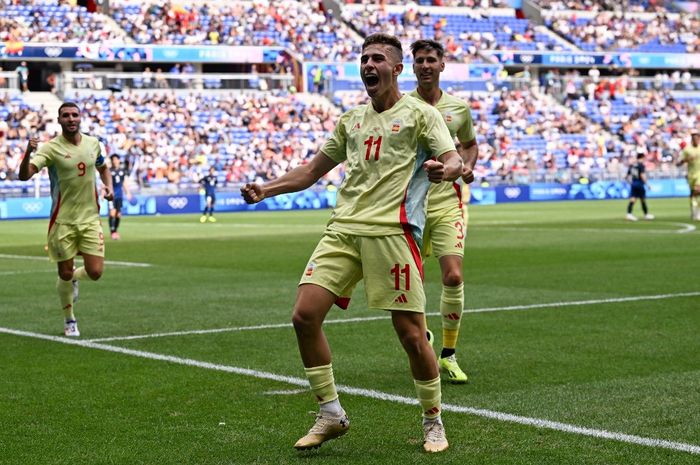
(59, 22)
(17, 122)
(483, 4)
(463, 35)
(616, 31)
(523, 134)
(173, 139)
(301, 25)
(630, 6)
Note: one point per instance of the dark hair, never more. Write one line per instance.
(114, 155)
(640, 155)
(428, 45)
(67, 104)
(386, 39)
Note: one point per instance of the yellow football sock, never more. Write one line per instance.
(322, 383)
(451, 307)
(429, 396)
(80, 273)
(65, 295)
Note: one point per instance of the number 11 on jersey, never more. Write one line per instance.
(377, 144)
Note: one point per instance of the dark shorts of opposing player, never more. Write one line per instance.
(65, 241)
(116, 204)
(638, 191)
(210, 199)
(390, 266)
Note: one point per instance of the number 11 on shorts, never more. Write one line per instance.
(397, 271)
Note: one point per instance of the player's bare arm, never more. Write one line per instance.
(298, 179)
(447, 167)
(26, 169)
(469, 151)
(106, 177)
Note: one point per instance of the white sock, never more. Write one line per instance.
(332, 408)
(427, 421)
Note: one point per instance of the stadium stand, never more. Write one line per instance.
(548, 123)
(612, 31)
(51, 21)
(173, 139)
(631, 6)
(299, 25)
(464, 34)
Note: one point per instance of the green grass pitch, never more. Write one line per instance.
(581, 342)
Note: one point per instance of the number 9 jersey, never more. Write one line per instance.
(72, 174)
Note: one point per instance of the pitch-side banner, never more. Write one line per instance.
(148, 53)
(583, 59)
(31, 207)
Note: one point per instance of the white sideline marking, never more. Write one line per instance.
(584, 302)
(7, 273)
(384, 317)
(46, 259)
(286, 392)
(372, 394)
(686, 228)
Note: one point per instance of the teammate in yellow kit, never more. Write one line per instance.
(75, 227)
(392, 148)
(691, 156)
(446, 226)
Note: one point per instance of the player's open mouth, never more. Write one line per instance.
(371, 79)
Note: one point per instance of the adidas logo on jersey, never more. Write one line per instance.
(459, 245)
(401, 299)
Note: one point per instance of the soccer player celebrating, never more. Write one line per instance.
(393, 148)
(121, 187)
(691, 156)
(75, 226)
(636, 175)
(209, 183)
(446, 225)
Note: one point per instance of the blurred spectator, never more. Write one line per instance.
(23, 76)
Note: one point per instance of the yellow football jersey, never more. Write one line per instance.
(72, 174)
(459, 121)
(692, 155)
(385, 185)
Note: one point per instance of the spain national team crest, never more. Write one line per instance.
(310, 269)
(396, 126)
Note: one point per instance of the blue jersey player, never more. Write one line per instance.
(637, 177)
(209, 182)
(119, 175)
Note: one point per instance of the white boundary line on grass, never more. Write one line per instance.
(385, 317)
(46, 259)
(685, 229)
(373, 394)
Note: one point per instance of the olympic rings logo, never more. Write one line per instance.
(32, 207)
(177, 203)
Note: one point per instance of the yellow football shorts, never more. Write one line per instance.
(66, 240)
(693, 181)
(445, 232)
(390, 265)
